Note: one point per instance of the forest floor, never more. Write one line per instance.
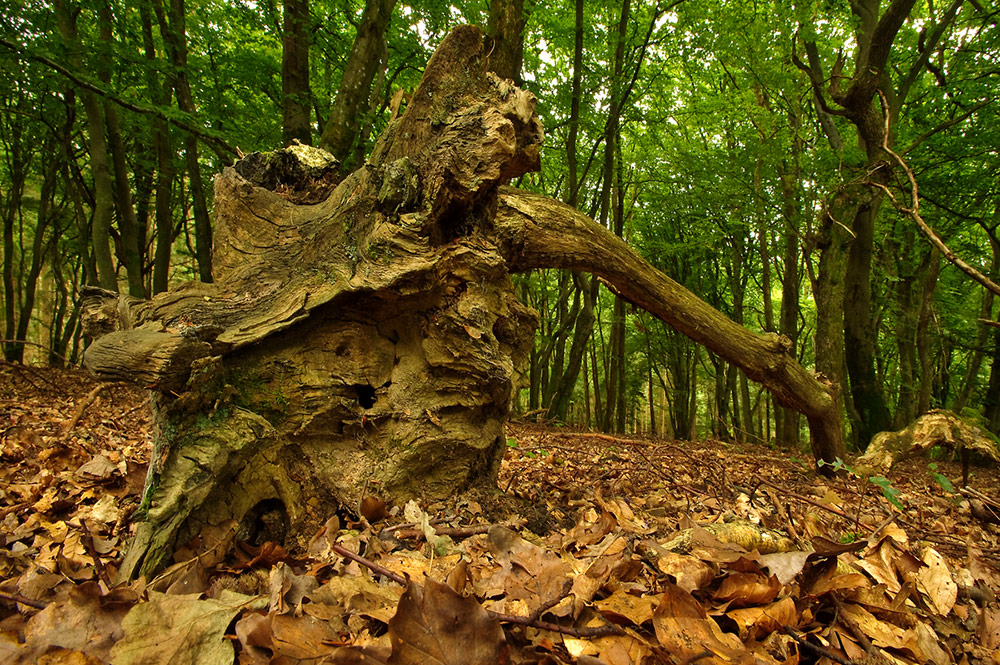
(656, 552)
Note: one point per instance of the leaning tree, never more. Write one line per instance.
(362, 336)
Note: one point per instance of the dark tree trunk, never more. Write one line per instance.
(163, 216)
(295, 92)
(174, 33)
(132, 249)
(505, 30)
(98, 148)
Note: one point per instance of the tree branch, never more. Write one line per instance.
(913, 213)
(218, 143)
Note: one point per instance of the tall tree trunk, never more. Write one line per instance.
(860, 335)
(563, 394)
(133, 249)
(160, 94)
(610, 180)
(98, 148)
(172, 27)
(346, 116)
(983, 336)
(587, 288)
(30, 280)
(505, 27)
(10, 208)
(295, 93)
(787, 424)
(923, 331)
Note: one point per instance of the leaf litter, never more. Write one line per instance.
(650, 552)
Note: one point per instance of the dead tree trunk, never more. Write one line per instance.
(363, 336)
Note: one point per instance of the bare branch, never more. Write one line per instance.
(913, 213)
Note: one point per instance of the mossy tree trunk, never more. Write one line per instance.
(362, 336)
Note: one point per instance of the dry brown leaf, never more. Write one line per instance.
(80, 622)
(622, 605)
(743, 589)
(756, 623)
(935, 582)
(685, 631)
(433, 624)
(180, 630)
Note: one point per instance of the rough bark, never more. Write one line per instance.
(98, 149)
(344, 124)
(505, 29)
(371, 342)
(367, 343)
(172, 27)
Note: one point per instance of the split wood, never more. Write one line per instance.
(596, 631)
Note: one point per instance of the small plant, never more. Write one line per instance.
(888, 491)
(940, 478)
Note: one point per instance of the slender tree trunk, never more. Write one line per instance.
(346, 116)
(132, 250)
(991, 400)
(172, 27)
(160, 94)
(923, 331)
(98, 148)
(787, 423)
(983, 336)
(295, 93)
(30, 280)
(859, 328)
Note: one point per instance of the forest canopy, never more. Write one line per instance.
(768, 157)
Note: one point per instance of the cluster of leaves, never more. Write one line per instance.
(623, 575)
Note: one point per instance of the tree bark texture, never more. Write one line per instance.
(344, 124)
(367, 340)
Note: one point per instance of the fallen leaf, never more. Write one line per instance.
(180, 630)
(433, 624)
(936, 583)
(685, 631)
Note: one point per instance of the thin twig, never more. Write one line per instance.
(820, 651)
(831, 509)
(913, 213)
(374, 567)
(78, 414)
(18, 598)
(455, 531)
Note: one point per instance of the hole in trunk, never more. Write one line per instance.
(366, 395)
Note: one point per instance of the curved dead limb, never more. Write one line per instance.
(539, 232)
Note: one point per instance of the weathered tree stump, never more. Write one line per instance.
(935, 428)
(363, 336)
